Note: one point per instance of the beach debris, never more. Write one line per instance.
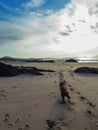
(50, 123)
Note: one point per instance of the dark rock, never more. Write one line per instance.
(71, 60)
(86, 70)
(49, 61)
(9, 70)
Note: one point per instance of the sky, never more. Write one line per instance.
(49, 28)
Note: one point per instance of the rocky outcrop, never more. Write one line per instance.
(86, 70)
(9, 70)
(71, 60)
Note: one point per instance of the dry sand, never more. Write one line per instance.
(29, 102)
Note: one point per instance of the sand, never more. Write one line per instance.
(29, 102)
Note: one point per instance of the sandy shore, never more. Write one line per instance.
(29, 102)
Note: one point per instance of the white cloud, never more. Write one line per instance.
(33, 3)
(91, 4)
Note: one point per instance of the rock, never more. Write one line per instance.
(86, 70)
(9, 70)
(71, 60)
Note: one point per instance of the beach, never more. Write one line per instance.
(31, 102)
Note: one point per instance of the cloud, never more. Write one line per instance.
(91, 4)
(56, 40)
(67, 26)
(33, 3)
(94, 27)
(64, 33)
(83, 21)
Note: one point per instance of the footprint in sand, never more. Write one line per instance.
(82, 98)
(55, 82)
(3, 93)
(7, 115)
(71, 89)
(27, 127)
(10, 125)
(17, 120)
(96, 123)
(89, 112)
(14, 87)
(78, 93)
(20, 128)
(91, 104)
(50, 123)
(6, 120)
(69, 85)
